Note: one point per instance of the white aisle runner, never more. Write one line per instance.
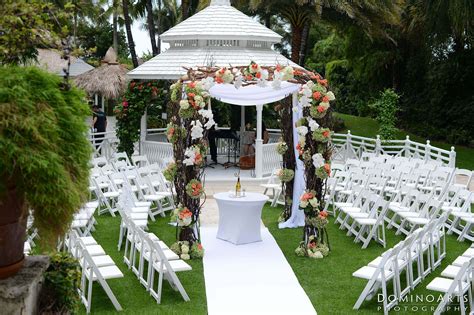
(250, 279)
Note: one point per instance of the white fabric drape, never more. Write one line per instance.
(297, 216)
(253, 94)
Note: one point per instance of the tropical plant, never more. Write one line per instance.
(45, 153)
(128, 28)
(61, 282)
(27, 25)
(386, 108)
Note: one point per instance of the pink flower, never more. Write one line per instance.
(125, 104)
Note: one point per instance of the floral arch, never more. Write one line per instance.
(191, 119)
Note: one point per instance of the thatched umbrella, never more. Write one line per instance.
(108, 80)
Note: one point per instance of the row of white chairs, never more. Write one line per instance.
(96, 266)
(456, 282)
(147, 256)
(405, 265)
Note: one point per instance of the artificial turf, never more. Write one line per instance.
(328, 282)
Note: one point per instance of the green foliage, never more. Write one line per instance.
(386, 107)
(129, 113)
(99, 38)
(25, 26)
(61, 282)
(45, 153)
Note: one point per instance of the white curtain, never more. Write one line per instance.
(297, 215)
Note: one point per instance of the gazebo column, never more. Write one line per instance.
(259, 144)
(143, 132)
(242, 128)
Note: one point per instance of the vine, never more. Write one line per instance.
(129, 112)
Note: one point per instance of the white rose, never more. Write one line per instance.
(318, 160)
(313, 125)
(198, 98)
(302, 130)
(227, 76)
(304, 101)
(310, 85)
(313, 202)
(184, 104)
(287, 73)
(331, 96)
(303, 204)
(307, 92)
(324, 104)
(196, 130)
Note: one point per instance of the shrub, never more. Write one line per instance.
(386, 108)
(61, 282)
(44, 149)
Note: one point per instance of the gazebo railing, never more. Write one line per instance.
(346, 146)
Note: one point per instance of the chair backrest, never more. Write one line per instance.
(462, 278)
(465, 174)
(108, 169)
(122, 156)
(140, 160)
(99, 161)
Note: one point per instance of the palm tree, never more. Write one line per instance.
(300, 14)
(128, 28)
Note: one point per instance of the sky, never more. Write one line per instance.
(142, 39)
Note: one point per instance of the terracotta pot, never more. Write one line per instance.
(12, 232)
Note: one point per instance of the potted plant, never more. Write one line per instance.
(44, 159)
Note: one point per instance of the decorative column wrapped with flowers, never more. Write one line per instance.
(187, 131)
(315, 149)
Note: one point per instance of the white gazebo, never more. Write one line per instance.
(221, 35)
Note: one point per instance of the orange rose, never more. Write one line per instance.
(316, 95)
(325, 99)
(219, 80)
(258, 75)
(192, 85)
(327, 168)
(326, 134)
(321, 109)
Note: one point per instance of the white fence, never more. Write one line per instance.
(346, 146)
(349, 146)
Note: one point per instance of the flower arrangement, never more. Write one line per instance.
(194, 156)
(170, 171)
(322, 134)
(324, 171)
(281, 148)
(194, 189)
(174, 132)
(184, 217)
(224, 75)
(308, 200)
(186, 251)
(285, 175)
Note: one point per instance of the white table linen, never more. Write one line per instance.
(240, 218)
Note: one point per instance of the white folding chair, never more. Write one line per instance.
(457, 287)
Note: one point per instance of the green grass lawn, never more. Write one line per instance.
(130, 293)
(368, 127)
(328, 282)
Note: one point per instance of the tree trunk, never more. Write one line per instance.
(128, 27)
(151, 27)
(184, 9)
(158, 28)
(115, 30)
(304, 44)
(296, 37)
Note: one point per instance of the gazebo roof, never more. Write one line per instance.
(220, 21)
(170, 64)
(219, 35)
(109, 79)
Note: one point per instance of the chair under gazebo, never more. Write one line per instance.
(109, 81)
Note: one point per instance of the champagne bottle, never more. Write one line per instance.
(237, 187)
